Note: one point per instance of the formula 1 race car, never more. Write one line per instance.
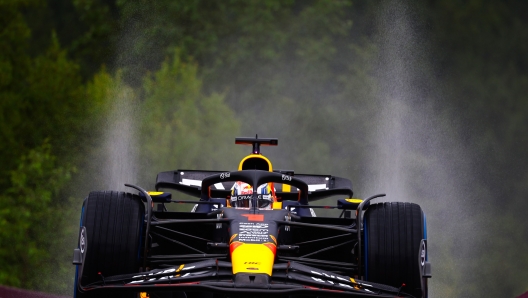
(251, 232)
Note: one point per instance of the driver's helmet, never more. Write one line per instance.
(242, 194)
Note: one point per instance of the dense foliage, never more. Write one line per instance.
(425, 101)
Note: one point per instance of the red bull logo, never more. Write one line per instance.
(246, 189)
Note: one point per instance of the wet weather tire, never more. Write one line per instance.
(393, 232)
(113, 222)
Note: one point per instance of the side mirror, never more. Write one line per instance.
(157, 196)
(348, 204)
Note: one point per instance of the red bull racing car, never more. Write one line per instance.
(249, 233)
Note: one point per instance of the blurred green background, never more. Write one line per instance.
(426, 101)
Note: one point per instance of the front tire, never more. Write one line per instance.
(113, 222)
(393, 233)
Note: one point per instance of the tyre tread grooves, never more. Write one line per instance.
(113, 221)
(395, 230)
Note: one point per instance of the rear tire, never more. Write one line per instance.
(393, 232)
(113, 222)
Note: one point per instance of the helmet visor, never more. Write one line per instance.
(241, 201)
(264, 201)
(246, 201)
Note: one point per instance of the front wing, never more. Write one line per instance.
(216, 276)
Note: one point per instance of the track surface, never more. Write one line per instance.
(8, 292)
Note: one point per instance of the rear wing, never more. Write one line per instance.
(190, 183)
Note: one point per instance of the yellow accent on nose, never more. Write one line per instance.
(253, 258)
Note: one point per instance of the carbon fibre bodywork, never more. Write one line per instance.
(282, 252)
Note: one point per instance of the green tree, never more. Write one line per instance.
(40, 102)
(43, 115)
(183, 128)
(29, 213)
(481, 63)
